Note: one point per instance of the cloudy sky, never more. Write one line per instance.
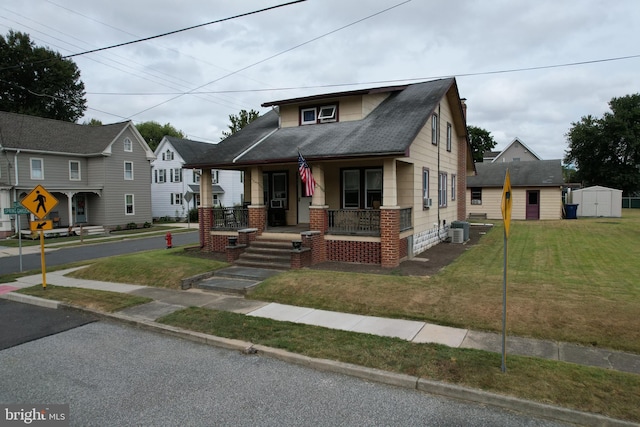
(510, 57)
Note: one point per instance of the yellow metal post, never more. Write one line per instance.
(42, 263)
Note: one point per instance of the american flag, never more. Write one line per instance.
(305, 175)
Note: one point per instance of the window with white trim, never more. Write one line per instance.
(176, 198)
(434, 129)
(319, 114)
(74, 170)
(453, 187)
(215, 175)
(167, 155)
(351, 188)
(160, 176)
(449, 136)
(176, 175)
(128, 171)
(196, 176)
(128, 146)
(129, 208)
(37, 168)
(426, 201)
(442, 189)
(216, 200)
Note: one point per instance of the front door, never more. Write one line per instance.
(533, 204)
(80, 209)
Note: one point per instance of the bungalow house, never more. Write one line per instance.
(174, 190)
(100, 175)
(389, 168)
(516, 151)
(536, 190)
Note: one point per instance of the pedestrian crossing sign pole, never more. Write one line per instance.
(40, 202)
(506, 217)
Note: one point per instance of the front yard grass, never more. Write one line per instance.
(568, 280)
(161, 268)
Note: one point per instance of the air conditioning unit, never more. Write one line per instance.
(457, 235)
(427, 203)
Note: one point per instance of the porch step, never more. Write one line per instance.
(270, 254)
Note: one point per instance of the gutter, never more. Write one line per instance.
(254, 145)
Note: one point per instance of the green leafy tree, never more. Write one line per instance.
(481, 141)
(38, 81)
(93, 122)
(239, 121)
(606, 150)
(153, 132)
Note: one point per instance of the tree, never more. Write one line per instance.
(606, 151)
(239, 121)
(481, 141)
(38, 81)
(93, 122)
(153, 132)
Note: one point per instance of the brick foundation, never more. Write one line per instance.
(348, 251)
(257, 218)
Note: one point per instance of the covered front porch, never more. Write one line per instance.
(360, 211)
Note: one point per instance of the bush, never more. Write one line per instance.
(193, 215)
(132, 226)
(147, 224)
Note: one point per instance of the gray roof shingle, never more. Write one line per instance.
(24, 132)
(388, 130)
(189, 150)
(541, 173)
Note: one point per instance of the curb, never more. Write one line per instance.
(369, 374)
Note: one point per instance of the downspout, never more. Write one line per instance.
(15, 168)
(438, 137)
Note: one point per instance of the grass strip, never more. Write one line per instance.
(160, 268)
(588, 389)
(89, 298)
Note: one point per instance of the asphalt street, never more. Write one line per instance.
(112, 374)
(88, 251)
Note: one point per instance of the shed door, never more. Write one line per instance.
(533, 204)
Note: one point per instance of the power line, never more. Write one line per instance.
(457, 75)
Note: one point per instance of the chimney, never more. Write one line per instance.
(463, 101)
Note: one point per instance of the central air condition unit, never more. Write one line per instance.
(457, 235)
(427, 203)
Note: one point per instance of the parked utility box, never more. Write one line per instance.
(464, 225)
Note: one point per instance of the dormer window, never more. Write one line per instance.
(327, 114)
(319, 114)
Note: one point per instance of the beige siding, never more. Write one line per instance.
(424, 154)
(550, 203)
(516, 151)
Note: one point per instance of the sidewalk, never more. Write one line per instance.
(166, 301)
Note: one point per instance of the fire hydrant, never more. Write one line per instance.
(168, 239)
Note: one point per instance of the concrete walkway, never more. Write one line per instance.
(166, 301)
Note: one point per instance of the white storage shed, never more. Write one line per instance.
(598, 201)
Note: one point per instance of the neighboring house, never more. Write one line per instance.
(389, 163)
(100, 175)
(174, 190)
(536, 190)
(516, 151)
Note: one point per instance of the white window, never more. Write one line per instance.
(37, 168)
(160, 175)
(167, 155)
(128, 171)
(442, 189)
(373, 188)
(74, 170)
(434, 129)
(449, 136)
(176, 175)
(196, 177)
(176, 198)
(216, 200)
(308, 116)
(128, 205)
(215, 175)
(128, 146)
(327, 114)
(426, 201)
(453, 187)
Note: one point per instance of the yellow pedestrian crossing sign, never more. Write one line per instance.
(39, 201)
(506, 203)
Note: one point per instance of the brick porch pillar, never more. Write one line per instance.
(319, 222)
(205, 223)
(257, 218)
(389, 237)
